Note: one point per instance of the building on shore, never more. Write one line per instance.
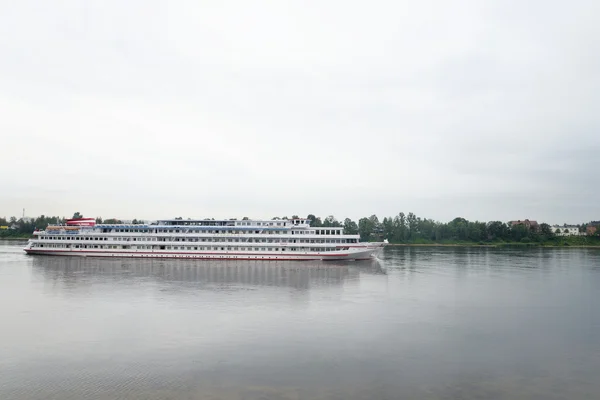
(527, 223)
(566, 230)
(591, 230)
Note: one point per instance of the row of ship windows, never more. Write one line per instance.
(262, 223)
(236, 240)
(232, 223)
(191, 248)
(224, 231)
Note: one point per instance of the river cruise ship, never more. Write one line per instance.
(291, 239)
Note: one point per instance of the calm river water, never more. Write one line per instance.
(422, 323)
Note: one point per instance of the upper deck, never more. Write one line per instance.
(281, 223)
(189, 226)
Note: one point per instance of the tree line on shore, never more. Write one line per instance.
(402, 228)
(409, 228)
(25, 226)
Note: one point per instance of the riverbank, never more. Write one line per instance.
(576, 242)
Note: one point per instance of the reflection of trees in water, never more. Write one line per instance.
(469, 258)
(76, 271)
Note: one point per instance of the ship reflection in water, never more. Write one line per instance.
(73, 271)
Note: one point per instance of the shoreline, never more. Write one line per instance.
(440, 245)
(497, 245)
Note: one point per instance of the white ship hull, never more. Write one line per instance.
(363, 253)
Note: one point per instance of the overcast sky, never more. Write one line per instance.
(487, 110)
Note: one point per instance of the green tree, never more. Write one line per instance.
(331, 221)
(350, 227)
(519, 232)
(497, 230)
(400, 230)
(426, 229)
(365, 228)
(411, 221)
(77, 215)
(388, 228)
(314, 220)
(546, 231)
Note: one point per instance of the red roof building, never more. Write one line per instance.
(528, 224)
